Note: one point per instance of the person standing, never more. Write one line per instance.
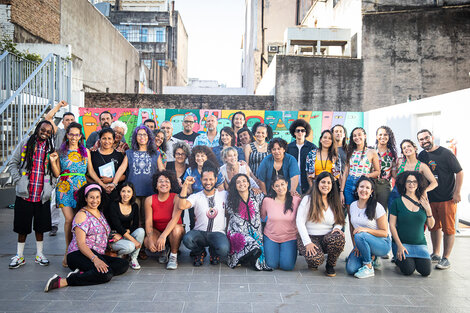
(211, 137)
(299, 148)
(167, 127)
(238, 122)
(188, 135)
(150, 124)
(387, 152)
(106, 118)
(30, 171)
(444, 198)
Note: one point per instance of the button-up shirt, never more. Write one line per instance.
(36, 177)
(203, 140)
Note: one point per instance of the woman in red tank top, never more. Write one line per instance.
(163, 224)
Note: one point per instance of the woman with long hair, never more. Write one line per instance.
(233, 167)
(86, 252)
(369, 231)
(227, 139)
(71, 166)
(124, 220)
(320, 218)
(256, 151)
(161, 144)
(323, 159)
(238, 122)
(279, 209)
(410, 162)
(409, 215)
(387, 152)
(181, 153)
(244, 137)
(361, 161)
(244, 225)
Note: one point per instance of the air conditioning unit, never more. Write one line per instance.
(273, 49)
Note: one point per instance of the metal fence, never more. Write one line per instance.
(27, 91)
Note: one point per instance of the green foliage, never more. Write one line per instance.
(7, 44)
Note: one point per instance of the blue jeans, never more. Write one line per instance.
(349, 188)
(124, 246)
(280, 255)
(367, 245)
(198, 240)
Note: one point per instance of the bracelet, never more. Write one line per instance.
(429, 216)
(93, 257)
(183, 197)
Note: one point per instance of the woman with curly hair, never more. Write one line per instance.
(409, 215)
(300, 147)
(141, 163)
(71, 164)
(256, 151)
(387, 151)
(244, 225)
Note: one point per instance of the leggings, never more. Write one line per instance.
(409, 265)
(331, 243)
(88, 274)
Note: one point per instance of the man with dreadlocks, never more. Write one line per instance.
(30, 170)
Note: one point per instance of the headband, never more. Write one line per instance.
(92, 186)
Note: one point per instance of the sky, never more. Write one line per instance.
(215, 29)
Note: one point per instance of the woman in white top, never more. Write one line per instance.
(369, 231)
(319, 221)
(233, 167)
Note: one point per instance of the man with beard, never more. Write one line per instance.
(209, 210)
(211, 138)
(106, 118)
(339, 136)
(444, 198)
(31, 172)
(188, 135)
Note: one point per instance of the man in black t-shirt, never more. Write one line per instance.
(187, 135)
(444, 198)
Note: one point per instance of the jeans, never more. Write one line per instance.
(383, 189)
(280, 255)
(88, 274)
(367, 245)
(349, 188)
(198, 240)
(124, 246)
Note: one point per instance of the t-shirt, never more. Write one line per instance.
(204, 213)
(279, 227)
(410, 225)
(189, 139)
(444, 165)
(99, 159)
(59, 137)
(359, 217)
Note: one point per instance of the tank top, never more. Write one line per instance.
(359, 163)
(322, 166)
(162, 211)
(401, 169)
(255, 158)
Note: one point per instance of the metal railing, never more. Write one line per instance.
(24, 103)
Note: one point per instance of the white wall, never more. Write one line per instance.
(445, 115)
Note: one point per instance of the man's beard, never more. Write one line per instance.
(209, 190)
(105, 125)
(428, 147)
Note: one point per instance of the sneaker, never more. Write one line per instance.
(172, 263)
(41, 260)
(163, 259)
(53, 231)
(386, 257)
(134, 264)
(73, 273)
(16, 261)
(365, 272)
(52, 283)
(435, 258)
(330, 271)
(199, 259)
(215, 260)
(443, 264)
(376, 264)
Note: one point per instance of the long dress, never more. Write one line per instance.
(244, 232)
(72, 176)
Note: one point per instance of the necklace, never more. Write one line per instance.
(321, 162)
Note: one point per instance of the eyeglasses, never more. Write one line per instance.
(188, 122)
(142, 135)
(161, 181)
(177, 154)
(412, 182)
(300, 130)
(119, 133)
(165, 127)
(74, 135)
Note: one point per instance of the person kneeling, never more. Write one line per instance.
(85, 255)
(320, 218)
(209, 211)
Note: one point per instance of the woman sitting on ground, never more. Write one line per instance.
(124, 219)
(244, 225)
(319, 220)
(408, 216)
(163, 220)
(86, 256)
(280, 233)
(369, 231)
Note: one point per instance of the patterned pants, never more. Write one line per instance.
(331, 244)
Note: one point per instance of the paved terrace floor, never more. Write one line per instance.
(221, 289)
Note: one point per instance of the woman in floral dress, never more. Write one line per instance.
(244, 225)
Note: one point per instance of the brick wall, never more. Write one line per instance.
(120, 100)
(40, 18)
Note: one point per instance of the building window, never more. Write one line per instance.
(159, 34)
(161, 62)
(137, 33)
(148, 63)
(144, 34)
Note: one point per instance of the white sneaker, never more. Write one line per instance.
(41, 260)
(74, 272)
(16, 261)
(172, 263)
(134, 264)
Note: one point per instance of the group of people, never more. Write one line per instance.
(250, 199)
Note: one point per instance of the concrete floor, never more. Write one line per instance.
(221, 289)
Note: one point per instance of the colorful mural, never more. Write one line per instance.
(278, 120)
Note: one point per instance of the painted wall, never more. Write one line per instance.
(278, 120)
